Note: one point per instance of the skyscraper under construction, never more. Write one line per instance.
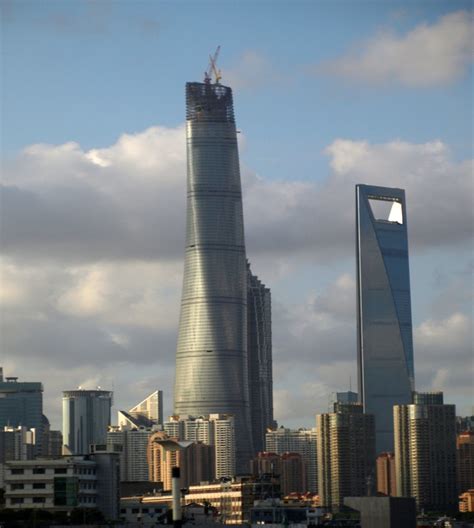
(211, 359)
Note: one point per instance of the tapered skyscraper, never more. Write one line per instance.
(385, 347)
(211, 359)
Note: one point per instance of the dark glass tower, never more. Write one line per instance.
(259, 349)
(211, 359)
(385, 347)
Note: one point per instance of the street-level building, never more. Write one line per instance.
(60, 484)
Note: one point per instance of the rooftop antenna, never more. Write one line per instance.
(212, 68)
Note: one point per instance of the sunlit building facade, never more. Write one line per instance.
(425, 452)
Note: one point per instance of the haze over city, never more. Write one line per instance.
(327, 95)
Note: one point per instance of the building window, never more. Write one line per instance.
(39, 485)
(144, 510)
(38, 500)
(18, 486)
(17, 500)
(17, 471)
(60, 471)
(38, 471)
(134, 510)
(123, 510)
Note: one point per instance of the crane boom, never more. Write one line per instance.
(212, 68)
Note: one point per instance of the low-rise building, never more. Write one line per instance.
(233, 499)
(274, 512)
(135, 512)
(65, 483)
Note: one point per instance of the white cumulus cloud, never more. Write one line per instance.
(428, 55)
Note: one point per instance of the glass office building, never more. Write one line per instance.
(211, 359)
(21, 403)
(86, 418)
(385, 347)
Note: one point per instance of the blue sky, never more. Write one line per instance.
(327, 94)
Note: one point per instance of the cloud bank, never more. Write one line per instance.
(93, 243)
(428, 55)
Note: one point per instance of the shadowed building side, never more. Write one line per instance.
(259, 351)
(211, 359)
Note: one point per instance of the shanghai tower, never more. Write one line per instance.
(211, 358)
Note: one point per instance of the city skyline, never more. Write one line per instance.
(93, 226)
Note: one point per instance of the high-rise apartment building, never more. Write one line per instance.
(21, 404)
(385, 344)
(133, 457)
(346, 454)
(195, 460)
(302, 441)
(211, 359)
(216, 430)
(465, 460)
(86, 418)
(425, 452)
(259, 352)
(386, 474)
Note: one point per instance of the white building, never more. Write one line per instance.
(217, 430)
(147, 413)
(133, 459)
(302, 441)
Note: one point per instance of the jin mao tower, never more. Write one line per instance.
(211, 359)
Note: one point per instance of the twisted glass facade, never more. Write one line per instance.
(385, 348)
(211, 359)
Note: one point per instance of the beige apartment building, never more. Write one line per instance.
(346, 453)
(195, 459)
(425, 452)
(386, 474)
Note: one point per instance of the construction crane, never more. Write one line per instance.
(212, 68)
